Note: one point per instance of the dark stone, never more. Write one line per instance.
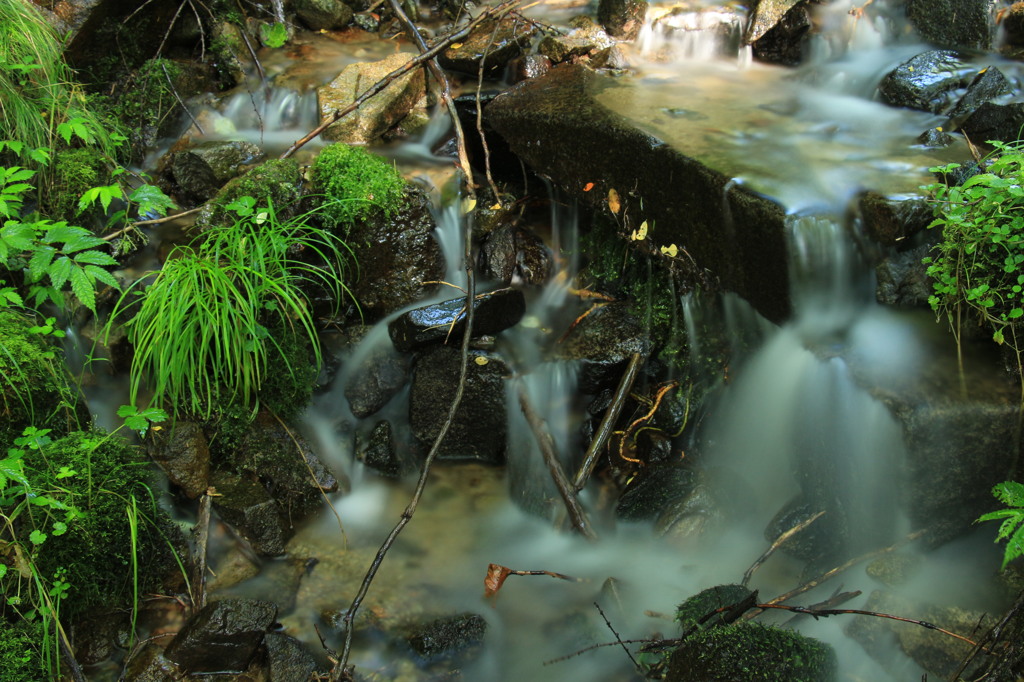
(511, 253)
(323, 14)
(717, 496)
(248, 508)
(480, 427)
(492, 313)
(903, 280)
(891, 221)
(935, 138)
(97, 636)
(285, 464)
(784, 42)
(287, 658)
(964, 24)
(578, 43)
(379, 453)
(821, 541)
(1013, 24)
(494, 45)
(379, 376)
(193, 177)
(184, 455)
(396, 257)
(223, 636)
(529, 66)
(603, 342)
(766, 15)
(653, 490)
(706, 602)
(991, 121)
(622, 19)
(150, 665)
(750, 651)
(925, 82)
(558, 126)
(612, 58)
(986, 86)
(448, 635)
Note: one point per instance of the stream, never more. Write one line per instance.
(811, 137)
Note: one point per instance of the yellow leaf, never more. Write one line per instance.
(480, 360)
(468, 205)
(640, 233)
(455, 46)
(670, 250)
(614, 205)
(497, 206)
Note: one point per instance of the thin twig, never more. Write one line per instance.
(617, 638)
(775, 545)
(577, 516)
(611, 415)
(163, 65)
(480, 109)
(202, 536)
(252, 53)
(170, 26)
(155, 221)
(402, 70)
(67, 654)
(993, 636)
(446, 90)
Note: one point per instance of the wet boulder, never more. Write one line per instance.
(378, 451)
(512, 253)
(751, 652)
(323, 15)
(183, 453)
(248, 508)
(493, 44)
(653, 490)
(378, 114)
(989, 84)
(703, 610)
(892, 221)
(448, 635)
(288, 660)
(480, 428)
(622, 19)
(925, 82)
(578, 43)
(397, 257)
(198, 172)
(493, 313)
(1013, 24)
(778, 31)
(991, 121)
(603, 343)
(903, 280)
(963, 24)
(529, 66)
(380, 374)
(222, 637)
(819, 542)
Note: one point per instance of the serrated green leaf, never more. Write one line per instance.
(62, 232)
(95, 258)
(151, 198)
(40, 262)
(82, 287)
(82, 242)
(102, 275)
(60, 271)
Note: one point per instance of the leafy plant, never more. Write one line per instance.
(203, 333)
(273, 35)
(1011, 529)
(356, 185)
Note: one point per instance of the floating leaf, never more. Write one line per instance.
(614, 204)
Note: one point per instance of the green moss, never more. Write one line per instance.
(355, 185)
(751, 653)
(95, 554)
(276, 181)
(689, 613)
(77, 171)
(19, 652)
(34, 388)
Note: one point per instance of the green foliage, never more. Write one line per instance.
(202, 333)
(145, 99)
(19, 652)
(34, 387)
(273, 35)
(276, 182)
(978, 266)
(355, 185)
(81, 169)
(1011, 529)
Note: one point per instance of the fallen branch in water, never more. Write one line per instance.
(496, 575)
(413, 63)
(577, 517)
(611, 415)
(775, 545)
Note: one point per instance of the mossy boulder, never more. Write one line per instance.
(277, 182)
(34, 387)
(751, 653)
(98, 476)
(354, 185)
(690, 612)
(80, 170)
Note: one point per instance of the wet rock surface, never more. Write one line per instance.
(925, 82)
(493, 44)
(198, 172)
(954, 23)
(992, 121)
(892, 221)
(493, 312)
(323, 14)
(223, 636)
(447, 635)
(989, 84)
(376, 380)
(396, 257)
(903, 280)
(512, 253)
(379, 451)
(183, 453)
(480, 427)
(778, 31)
(374, 117)
(557, 125)
(250, 510)
(288, 660)
(622, 19)
(602, 343)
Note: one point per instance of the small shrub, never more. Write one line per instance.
(1011, 529)
(80, 170)
(355, 185)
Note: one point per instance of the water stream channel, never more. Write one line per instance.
(810, 137)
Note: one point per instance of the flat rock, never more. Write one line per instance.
(223, 636)
(493, 312)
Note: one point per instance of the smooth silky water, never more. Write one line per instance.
(811, 137)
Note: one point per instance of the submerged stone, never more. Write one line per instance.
(248, 508)
(493, 312)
